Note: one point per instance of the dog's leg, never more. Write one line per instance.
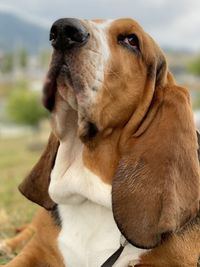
(41, 250)
(35, 254)
(10, 245)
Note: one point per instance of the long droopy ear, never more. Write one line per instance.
(35, 185)
(156, 186)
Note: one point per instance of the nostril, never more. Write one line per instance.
(75, 35)
(72, 33)
(53, 34)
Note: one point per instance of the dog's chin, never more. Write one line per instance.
(67, 95)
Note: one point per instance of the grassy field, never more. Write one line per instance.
(17, 156)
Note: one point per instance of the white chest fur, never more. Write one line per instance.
(89, 236)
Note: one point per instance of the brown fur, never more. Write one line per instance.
(18, 242)
(38, 179)
(162, 163)
(180, 250)
(151, 148)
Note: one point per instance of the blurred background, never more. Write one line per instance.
(24, 57)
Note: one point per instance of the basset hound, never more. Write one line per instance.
(122, 155)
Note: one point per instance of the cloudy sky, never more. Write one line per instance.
(173, 23)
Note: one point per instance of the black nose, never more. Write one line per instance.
(68, 33)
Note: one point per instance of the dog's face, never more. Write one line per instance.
(118, 114)
(106, 75)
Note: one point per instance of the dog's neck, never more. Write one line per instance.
(71, 181)
(89, 234)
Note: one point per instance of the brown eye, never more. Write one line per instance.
(130, 41)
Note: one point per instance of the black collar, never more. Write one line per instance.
(114, 257)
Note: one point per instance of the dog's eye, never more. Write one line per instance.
(130, 41)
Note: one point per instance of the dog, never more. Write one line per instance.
(122, 155)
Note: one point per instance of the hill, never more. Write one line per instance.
(17, 32)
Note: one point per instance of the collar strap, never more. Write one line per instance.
(114, 257)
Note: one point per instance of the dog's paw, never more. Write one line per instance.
(4, 248)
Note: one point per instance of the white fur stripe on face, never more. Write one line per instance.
(100, 32)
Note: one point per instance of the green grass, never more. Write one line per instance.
(16, 160)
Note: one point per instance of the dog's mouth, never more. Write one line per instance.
(58, 79)
(50, 84)
(71, 79)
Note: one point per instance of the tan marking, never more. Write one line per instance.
(181, 250)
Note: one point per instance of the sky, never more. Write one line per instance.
(172, 23)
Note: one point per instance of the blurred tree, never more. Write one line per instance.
(23, 58)
(196, 100)
(7, 63)
(24, 107)
(194, 66)
(21, 85)
(44, 58)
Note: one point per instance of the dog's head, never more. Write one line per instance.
(109, 87)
